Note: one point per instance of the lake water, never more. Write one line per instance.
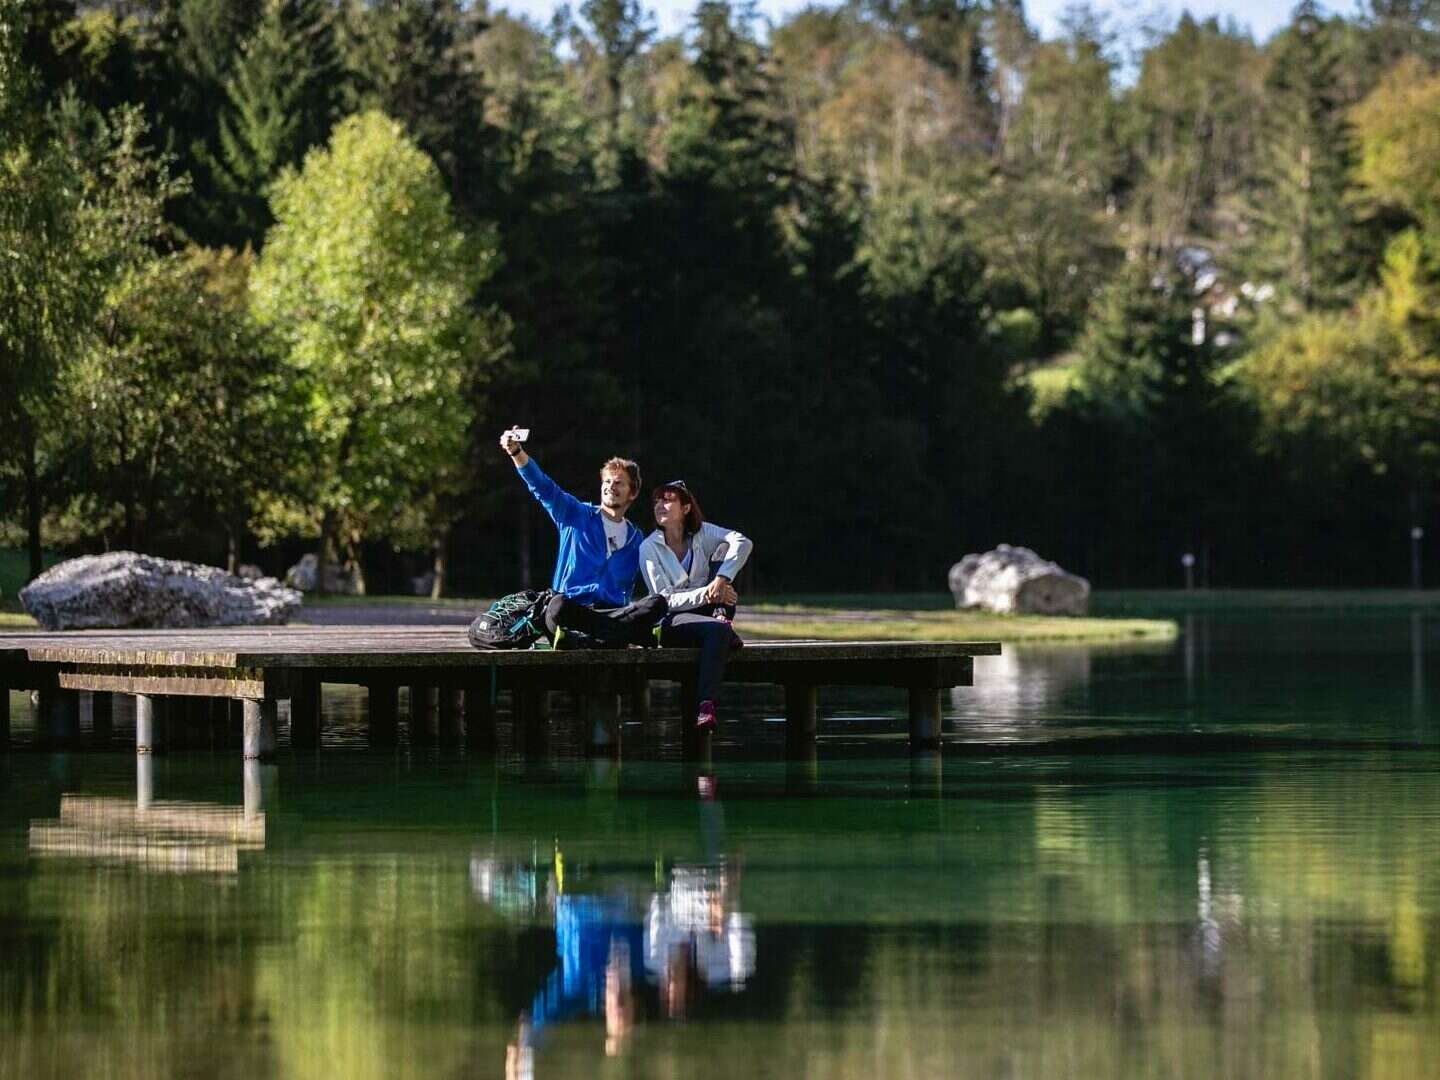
(1219, 857)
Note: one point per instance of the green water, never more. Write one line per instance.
(1212, 859)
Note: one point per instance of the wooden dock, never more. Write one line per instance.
(190, 676)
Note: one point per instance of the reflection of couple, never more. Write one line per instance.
(689, 569)
(691, 940)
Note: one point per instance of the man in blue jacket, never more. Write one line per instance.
(599, 554)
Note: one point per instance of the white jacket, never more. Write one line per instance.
(664, 574)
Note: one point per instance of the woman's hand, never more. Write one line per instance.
(720, 591)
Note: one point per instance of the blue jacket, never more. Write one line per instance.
(582, 571)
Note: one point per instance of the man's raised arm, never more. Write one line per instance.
(563, 508)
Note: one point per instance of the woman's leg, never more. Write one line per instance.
(714, 639)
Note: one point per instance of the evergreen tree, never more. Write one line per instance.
(413, 60)
(619, 32)
(1299, 227)
(282, 100)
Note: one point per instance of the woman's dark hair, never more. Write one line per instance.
(693, 517)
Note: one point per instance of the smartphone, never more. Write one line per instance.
(520, 433)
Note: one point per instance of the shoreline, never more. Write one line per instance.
(1118, 616)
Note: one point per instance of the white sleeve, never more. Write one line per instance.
(737, 548)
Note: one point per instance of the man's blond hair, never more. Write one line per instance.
(628, 467)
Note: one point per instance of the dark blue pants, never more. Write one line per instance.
(714, 639)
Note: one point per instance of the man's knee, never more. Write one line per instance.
(554, 610)
(654, 606)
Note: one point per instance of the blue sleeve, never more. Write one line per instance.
(563, 508)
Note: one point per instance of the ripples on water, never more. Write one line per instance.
(1211, 858)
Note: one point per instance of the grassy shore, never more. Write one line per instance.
(790, 621)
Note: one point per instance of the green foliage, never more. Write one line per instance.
(188, 417)
(1138, 350)
(412, 60)
(1188, 124)
(1297, 219)
(366, 280)
(1360, 386)
(1397, 131)
(282, 101)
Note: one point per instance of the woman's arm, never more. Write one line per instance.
(737, 548)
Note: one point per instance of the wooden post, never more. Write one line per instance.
(640, 696)
(145, 741)
(926, 774)
(925, 718)
(102, 716)
(144, 781)
(534, 730)
(260, 717)
(220, 721)
(800, 711)
(256, 781)
(422, 715)
(57, 717)
(305, 713)
(600, 713)
(384, 707)
(479, 720)
(449, 716)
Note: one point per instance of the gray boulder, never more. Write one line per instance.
(1016, 581)
(340, 580)
(124, 589)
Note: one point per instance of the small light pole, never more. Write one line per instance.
(1416, 535)
(1188, 562)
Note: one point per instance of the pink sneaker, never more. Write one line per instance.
(705, 719)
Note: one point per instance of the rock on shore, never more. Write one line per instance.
(123, 589)
(1016, 581)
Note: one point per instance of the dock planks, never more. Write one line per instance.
(261, 665)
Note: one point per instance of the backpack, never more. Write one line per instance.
(516, 621)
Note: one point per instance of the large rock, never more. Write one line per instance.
(124, 589)
(340, 580)
(1016, 581)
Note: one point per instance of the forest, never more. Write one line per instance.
(885, 282)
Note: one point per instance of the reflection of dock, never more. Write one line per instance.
(168, 836)
(452, 687)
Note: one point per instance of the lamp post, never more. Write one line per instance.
(1416, 535)
(1188, 562)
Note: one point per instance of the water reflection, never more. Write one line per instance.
(168, 836)
(1057, 904)
(623, 951)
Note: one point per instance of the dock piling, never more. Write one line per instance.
(925, 718)
(801, 708)
(260, 720)
(102, 716)
(305, 712)
(382, 713)
(600, 715)
(422, 715)
(449, 708)
(479, 720)
(144, 724)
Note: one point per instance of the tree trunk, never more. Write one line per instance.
(325, 554)
(438, 562)
(33, 501)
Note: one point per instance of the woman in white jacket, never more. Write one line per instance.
(693, 563)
